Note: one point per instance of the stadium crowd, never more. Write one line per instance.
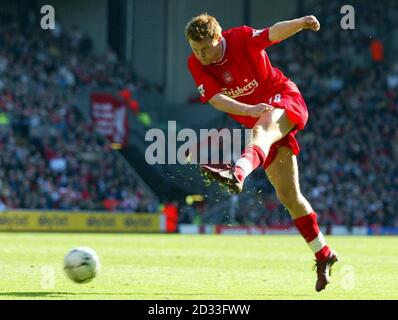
(50, 156)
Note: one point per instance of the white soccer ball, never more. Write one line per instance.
(81, 265)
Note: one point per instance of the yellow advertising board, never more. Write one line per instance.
(63, 221)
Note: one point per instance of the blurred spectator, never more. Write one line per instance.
(127, 97)
(170, 211)
(377, 50)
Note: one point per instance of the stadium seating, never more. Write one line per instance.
(50, 157)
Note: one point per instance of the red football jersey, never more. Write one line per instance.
(244, 73)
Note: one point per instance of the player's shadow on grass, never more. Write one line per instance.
(36, 294)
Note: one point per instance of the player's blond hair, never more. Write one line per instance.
(202, 27)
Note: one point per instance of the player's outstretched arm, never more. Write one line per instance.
(285, 29)
(226, 104)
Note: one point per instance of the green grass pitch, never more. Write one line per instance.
(163, 267)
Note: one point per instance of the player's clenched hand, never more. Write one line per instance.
(258, 109)
(311, 22)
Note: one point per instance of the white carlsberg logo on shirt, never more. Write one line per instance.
(201, 90)
(256, 33)
(246, 90)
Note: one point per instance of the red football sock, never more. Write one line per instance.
(251, 158)
(308, 227)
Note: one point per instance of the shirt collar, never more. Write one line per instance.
(224, 48)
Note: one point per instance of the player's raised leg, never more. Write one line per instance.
(284, 176)
(270, 128)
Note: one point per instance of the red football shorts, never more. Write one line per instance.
(296, 111)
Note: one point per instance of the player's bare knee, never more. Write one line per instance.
(266, 136)
(258, 131)
(266, 130)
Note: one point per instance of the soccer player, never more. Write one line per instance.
(234, 74)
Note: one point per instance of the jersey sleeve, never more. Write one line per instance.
(258, 39)
(205, 83)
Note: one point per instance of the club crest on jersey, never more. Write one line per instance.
(228, 77)
(201, 90)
